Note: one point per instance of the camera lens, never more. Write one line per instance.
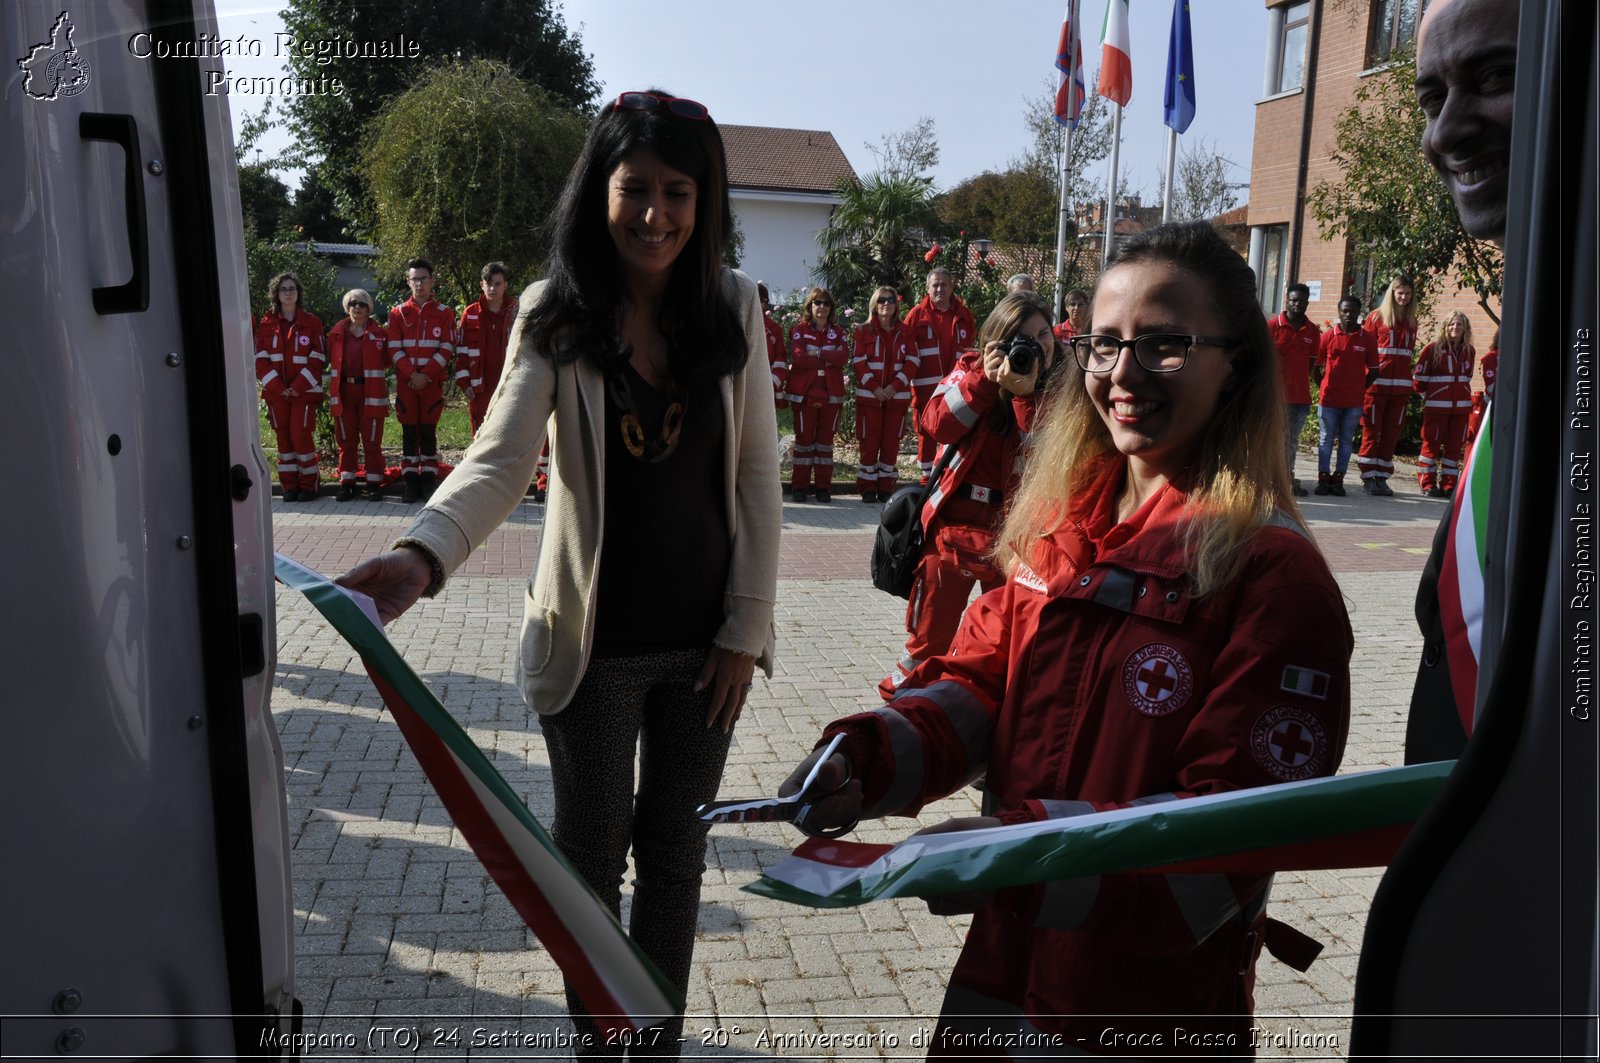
(1021, 355)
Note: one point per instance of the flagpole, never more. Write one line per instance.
(1066, 152)
(1172, 156)
(1111, 186)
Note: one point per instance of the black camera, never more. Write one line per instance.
(1022, 353)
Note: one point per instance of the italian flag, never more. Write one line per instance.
(617, 983)
(1116, 57)
(1347, 821)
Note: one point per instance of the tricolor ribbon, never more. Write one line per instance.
(1347, 821)
(617, 983)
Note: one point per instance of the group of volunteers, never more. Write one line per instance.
(1365, 372)
(419, 342)
(1147, 574)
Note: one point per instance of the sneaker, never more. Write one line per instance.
(1381, 487)
(347, 491)
(824, 497)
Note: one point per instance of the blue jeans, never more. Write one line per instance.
(1297, 420)
(1336, 422)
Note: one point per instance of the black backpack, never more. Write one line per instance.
(897, 549)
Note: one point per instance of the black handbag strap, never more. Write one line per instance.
(938, 471)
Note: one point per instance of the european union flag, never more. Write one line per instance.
(1178, 100)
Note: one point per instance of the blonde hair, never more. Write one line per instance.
(1242, 478)
(1392, 313)
(872, 308)
(354, 294)
(1443, 338)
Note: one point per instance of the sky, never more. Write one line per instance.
(863, 70)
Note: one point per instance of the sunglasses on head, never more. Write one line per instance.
(649, 101)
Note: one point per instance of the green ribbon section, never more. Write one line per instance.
(1171, 833)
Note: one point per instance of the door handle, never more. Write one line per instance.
(134, 296)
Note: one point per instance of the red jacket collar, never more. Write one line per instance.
(1150, 541)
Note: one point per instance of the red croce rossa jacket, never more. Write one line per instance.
(1094, 679)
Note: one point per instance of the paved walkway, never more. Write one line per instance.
(399, 926)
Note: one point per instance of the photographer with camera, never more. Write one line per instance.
(983, 409)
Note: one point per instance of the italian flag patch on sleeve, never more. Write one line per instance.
(1305, 681)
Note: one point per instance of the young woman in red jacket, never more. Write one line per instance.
(818, 352)
(1168, 629)
(1383, 412)
(1444, 379)
(985, 409)
(886, 362)
(290, 358)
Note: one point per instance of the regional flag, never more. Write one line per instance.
(1116, 57)
(1178, 102)
(1070, 92)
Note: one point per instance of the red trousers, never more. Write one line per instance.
(956, 557)
(813, 446)
(294, 422)
(418, 410)
(1383, 416)
(477, 406)
(1444, 433)
(879, 426)
(927, 446)
(356, 433)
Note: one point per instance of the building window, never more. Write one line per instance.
(1394, 28)
(1292, 47)
(1274, 252)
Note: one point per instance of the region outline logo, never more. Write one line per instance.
(55, 65)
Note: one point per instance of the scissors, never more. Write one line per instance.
(792, 809)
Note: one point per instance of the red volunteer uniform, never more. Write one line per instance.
(293, 354)
(1094, 680)
(963, 509)
(1490, 364)
(421, 340)
(1297, 347)
(882, 359)
(482, 354)
(1346, 357)
(358, 398)
(940, 336)
(1383, 413)
(777, 357)
(816, 394)
(1444, 379)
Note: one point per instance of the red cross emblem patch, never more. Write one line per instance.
(1290, 743)
(1157, 680)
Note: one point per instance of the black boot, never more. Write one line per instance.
(374, 491)
(347, 491)
(413, 489)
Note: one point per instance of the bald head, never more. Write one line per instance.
(1466, 73)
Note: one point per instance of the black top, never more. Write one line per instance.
(666, 546)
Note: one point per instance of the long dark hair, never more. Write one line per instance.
(575, 314)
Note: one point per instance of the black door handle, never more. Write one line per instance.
(133, 297)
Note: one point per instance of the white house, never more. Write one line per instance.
(782, 182)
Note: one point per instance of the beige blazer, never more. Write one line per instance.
(558, 613)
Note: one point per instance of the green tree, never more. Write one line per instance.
(876, 235)
(263, 199)
(285, 252)
(1390, 204)
(314, 212)
(530, 36)
(1202, 189)
(464, 168)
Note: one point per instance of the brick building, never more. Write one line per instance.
(1318, 51)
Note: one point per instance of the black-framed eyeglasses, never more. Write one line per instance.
(1156, 352)
(649, 101)
(287, 288)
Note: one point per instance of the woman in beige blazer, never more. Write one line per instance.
(651, 602)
